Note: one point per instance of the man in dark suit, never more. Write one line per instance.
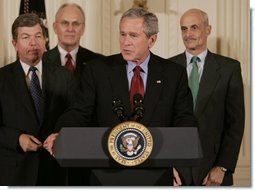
(33, 95)
(219, 104)
(167, 98)
(69, 26)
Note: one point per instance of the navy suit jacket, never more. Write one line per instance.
(167, 101)
(17, 116)
(220, 114)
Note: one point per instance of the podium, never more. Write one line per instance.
(87, 147)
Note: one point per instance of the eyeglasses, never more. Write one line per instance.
(66, 24)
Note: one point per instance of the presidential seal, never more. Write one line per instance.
(130, 143)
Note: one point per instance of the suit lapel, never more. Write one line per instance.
(17, 79)
(119, 82)
(153, 87)
(80, 60)
(208, 82)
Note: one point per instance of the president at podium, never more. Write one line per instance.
(135, 85)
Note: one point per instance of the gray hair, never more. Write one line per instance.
(150, 20)
(70, 4)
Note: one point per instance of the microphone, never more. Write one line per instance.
(118, 109)
(138, 106)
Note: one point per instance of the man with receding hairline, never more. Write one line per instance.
(218, 104)
(69, 26)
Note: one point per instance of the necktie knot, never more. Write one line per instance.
(32, 69)
(137, 70)
(68, 56)
(195, 59)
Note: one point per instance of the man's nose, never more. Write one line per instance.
(33, 41)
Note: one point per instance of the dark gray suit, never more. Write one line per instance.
(167, 101)
(17, 116)
(220, 113)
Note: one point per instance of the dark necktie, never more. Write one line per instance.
(194, 79)
(36, 93)
(69, 65)
(136, 85)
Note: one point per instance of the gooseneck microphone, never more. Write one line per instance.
(138, 106)
(118, 109)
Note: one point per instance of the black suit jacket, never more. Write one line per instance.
(220, 113)
(17, 116)
(83, 56)
(76, 176)
(167, 101)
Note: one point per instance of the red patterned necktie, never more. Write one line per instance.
(136, 85)
(69, 65)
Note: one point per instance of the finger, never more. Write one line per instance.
(35, 140)
(32, 146)
(205, 180)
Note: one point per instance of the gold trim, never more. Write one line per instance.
(135, 127)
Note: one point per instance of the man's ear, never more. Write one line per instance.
(152, 40)
(14, 43)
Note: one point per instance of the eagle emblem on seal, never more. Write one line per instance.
(130, 144)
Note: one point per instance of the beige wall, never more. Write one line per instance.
(230, 36)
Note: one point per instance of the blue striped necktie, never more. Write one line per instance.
(36, 93)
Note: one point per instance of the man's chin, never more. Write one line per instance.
(127, 57)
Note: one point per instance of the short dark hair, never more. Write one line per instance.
(26, 20)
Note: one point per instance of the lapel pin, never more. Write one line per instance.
(158, 81)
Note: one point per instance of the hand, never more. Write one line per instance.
(49, 143)
(214, 177)
(29, 143)
(177, 180)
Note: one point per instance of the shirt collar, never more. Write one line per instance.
(26, 67)
(64, 52)
(201, 56)
(131, 65)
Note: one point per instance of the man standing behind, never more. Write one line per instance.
(33, 96)
(217, 89)
(69, 26)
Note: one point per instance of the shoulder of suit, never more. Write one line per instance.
(224, 60)
(174, 58)
(7, 70)
(10, 66)
(88, 54)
